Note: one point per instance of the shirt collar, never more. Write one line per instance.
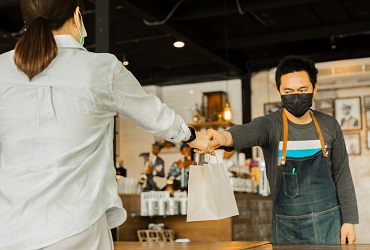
(67, 41)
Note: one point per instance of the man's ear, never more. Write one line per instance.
(278, 91)
(315, 88)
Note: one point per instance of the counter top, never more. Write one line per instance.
(206, 245)
(228, 245)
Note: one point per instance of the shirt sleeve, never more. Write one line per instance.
(146, 109)
(343, 178)
(255, 133)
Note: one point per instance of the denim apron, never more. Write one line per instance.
(306, 208)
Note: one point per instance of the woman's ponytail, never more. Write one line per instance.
(36, 48)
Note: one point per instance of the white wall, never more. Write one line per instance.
(263, 89)
(134, 140)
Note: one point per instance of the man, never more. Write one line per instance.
(348, 121)
(313, 196)
(153, 166)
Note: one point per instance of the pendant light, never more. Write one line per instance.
(227, 113)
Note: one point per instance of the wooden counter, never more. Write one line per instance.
(222, 245)
(230, 245)
(252, 224)
(313, 247)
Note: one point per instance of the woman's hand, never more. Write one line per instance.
(209, 141)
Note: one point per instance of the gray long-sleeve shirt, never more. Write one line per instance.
(267, 132)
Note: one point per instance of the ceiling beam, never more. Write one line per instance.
(193, 43)
(333, 55)
(206, 11)
(338, 31)
(7, 3)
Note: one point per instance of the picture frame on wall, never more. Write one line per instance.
(353, 143)
(367, 113)
(368, 139)
(271, 107)
(348, 113)
(325, 104)
(367, 102)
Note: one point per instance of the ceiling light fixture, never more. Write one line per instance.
(227, 114)
(124, 60)
(333, 44)
(178, 44)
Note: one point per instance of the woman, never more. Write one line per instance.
(58, 102)
(179, 171)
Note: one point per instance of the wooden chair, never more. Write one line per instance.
(149, 235)
(167, 235)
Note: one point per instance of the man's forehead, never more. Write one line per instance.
(295, 80)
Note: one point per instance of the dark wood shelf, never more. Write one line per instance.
(214, 125)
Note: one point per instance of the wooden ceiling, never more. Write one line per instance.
(224, 38)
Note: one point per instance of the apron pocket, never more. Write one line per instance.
(290, 185)
(316, 228)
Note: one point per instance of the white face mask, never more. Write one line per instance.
(82, 32)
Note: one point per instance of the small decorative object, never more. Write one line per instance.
(196, 114)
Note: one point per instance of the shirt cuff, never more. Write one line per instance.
(178, 132)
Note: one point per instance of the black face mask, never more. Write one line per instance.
(297, 104)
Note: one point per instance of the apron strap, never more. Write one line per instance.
(285, 137)
(324, 147)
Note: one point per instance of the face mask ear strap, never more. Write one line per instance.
(79, 30)
(83, 30)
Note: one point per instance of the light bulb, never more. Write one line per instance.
(178, 44)
(227, 112)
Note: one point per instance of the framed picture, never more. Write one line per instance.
(368, 139)
(271, 107)
(353, 144)
(325, 104)
(348, 112)
(367, 102)
(368, 118)
(215, 102)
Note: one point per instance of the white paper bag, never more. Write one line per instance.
(210, 194)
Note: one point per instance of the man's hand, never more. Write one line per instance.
(200, 144)
(347, 232)
(219, 139)
(208, 142)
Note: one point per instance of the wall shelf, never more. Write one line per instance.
(214, 125)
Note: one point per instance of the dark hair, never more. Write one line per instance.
(184, 145)
(37, 48)
(295, 63)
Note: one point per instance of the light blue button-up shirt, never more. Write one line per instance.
(56, 132)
